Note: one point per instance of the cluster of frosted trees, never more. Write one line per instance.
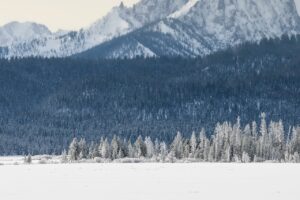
(229, 143)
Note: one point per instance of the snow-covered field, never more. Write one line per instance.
(181, 181)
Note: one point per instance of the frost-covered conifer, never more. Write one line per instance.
(156, 147)
(150, 147)
(177, 146)
(93, 151)
(193, 145)
(245, 158)
(120, 154)
(105, 149)
(202, 147)
(131, 150)
(74, 150)
(140, 147)
(296, 157)
(83, 149)
(114, 148)
(163, 151)
(171, 156)
(64, 157)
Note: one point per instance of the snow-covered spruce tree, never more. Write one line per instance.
(131, 150)
(156, 148)
(193, 145)
(149, 147)
(227, 154)
(237, 140)
(105, 149)
(121, 154)
(177, 146)
(294, 146)
(83, 149)
(202, 150)
(276, 131)
(64, 157)
(140, 148)
(123, 148)
(263, 144)
(253, 141)
(211, 153)
(207, 150)
(224, 138)
(163, 152)
(186, 149)
(171, 156)
(296, 157)
(93, 151)
(245, 158)
(100, 147)
(74, 150)
(114, 148)
(246, 144)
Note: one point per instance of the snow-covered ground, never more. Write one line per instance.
(40, 159)
(181, 181)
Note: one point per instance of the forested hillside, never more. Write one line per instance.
(44, 103)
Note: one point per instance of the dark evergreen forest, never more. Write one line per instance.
(45, 103)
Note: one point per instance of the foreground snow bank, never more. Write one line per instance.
(185, 181)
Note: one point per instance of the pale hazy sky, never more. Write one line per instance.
(59, 14)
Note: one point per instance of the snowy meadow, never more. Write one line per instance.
(148, 181)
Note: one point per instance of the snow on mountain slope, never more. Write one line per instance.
(148, 11)
(17, 32)
(122, 20)
(168, 37)
(239, 20)
(139, 50)
(116, 23)
(201, 27)
(184, 10)
(128, 46)
(119, 21)
(298, 6)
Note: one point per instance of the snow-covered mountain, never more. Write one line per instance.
(16, 32)
(119, 21)
(201, 27)
(163, 27)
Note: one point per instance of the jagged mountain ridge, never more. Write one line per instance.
(202, 27)
(168, 27)
(119, 21)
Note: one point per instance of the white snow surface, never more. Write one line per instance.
(184, 10)
(127, 52)
(151, 181)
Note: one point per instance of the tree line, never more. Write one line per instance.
(228, 143)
